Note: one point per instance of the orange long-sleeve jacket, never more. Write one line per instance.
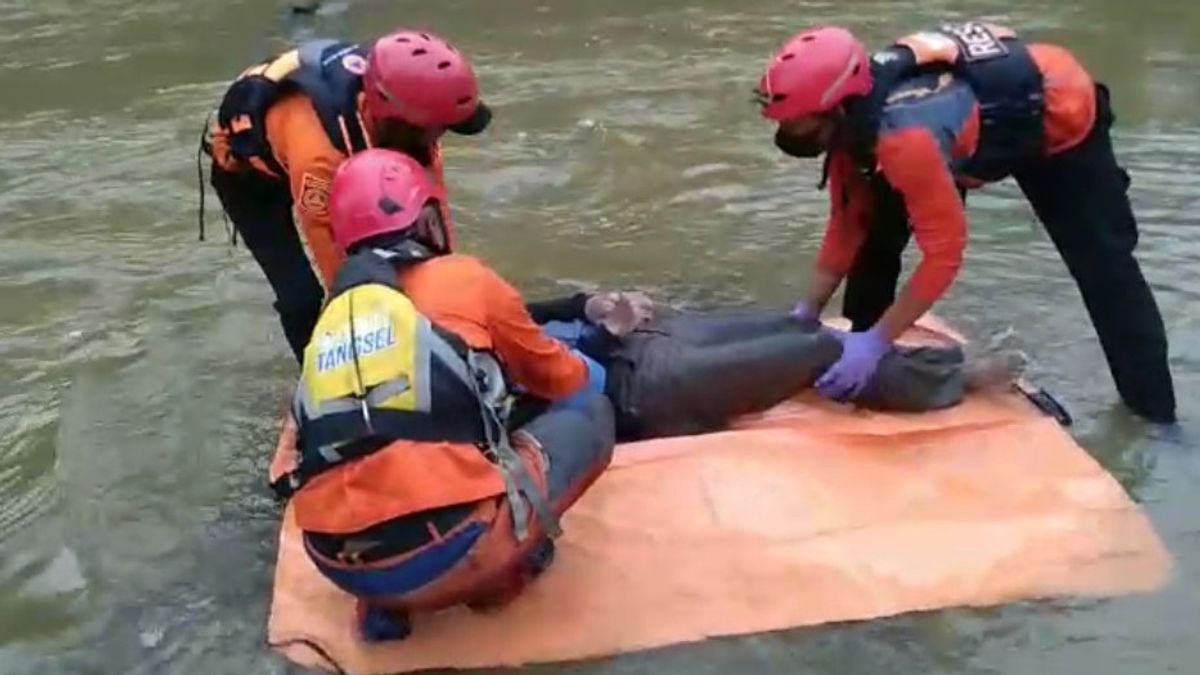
(460, 294)
(300, 144)
(930, 125)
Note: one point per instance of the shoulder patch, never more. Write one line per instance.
(354, 63)
(314, 195)
(977, 40)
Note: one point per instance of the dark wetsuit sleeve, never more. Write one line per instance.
(569, 308)
(598, 344)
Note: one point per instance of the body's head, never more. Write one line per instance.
(416, 87)
(384, 199)
(807, 84)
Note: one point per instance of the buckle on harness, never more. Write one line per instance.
(486, 381)
(366, 414)
(285, 486)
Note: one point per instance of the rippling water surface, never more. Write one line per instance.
(141, 372)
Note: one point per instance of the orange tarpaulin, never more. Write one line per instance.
(809, 514)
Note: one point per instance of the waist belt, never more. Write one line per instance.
(391, 539)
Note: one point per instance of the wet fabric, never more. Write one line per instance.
(579, 334)
(776, 524)
(575, 442)
(1082, 198)
(695, 373)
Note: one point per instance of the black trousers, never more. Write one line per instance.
(261, 210)
(1081, 198)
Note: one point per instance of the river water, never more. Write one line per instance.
(142, 372)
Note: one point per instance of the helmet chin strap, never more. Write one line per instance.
(405, 251)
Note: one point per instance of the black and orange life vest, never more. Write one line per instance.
(328, 72)
(1002, 74)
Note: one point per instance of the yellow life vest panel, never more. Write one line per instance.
(377, 370)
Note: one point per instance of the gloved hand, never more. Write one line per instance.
(619, 313)
(807, 316)
(803, 312)
(861, 353)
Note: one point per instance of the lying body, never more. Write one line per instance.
(690, 373)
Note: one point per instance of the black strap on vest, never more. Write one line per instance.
(1007, 84)
(333, 90)
(1012, 105)
(250, 96)
(457, 419)
(323, 77)
(388, 426)
(863, 114)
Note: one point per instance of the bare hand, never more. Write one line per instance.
(619, 313)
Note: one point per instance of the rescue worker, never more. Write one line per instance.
(410, 490)
(286, 124)
(679, 373)
(908, 131)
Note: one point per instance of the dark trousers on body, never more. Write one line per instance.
(1081, 198)
(695, 373)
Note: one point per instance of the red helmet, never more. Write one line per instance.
(813, 73)
(376, 192)
(423, 80)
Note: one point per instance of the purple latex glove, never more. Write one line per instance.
(807, 317)
(803, 312)
(860, 357)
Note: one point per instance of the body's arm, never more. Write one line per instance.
(569, 308)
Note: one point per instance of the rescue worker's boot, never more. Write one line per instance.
(378, 624)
